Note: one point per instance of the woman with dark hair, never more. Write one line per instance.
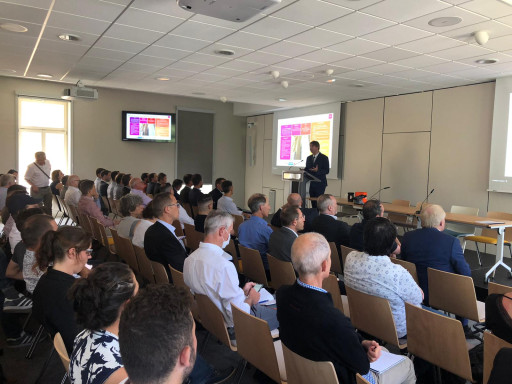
(56, 184)
(68, 249)
(131, 208)
(98, 302)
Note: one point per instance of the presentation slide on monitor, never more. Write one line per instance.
(148, 127)
(295, 134)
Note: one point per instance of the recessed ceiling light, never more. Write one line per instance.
(444, 21)
(11, 27)
(69, 37)
(4, 70)
(486, 61)
(225, 52)
(330, 81)
(281, 99)
(44, 75)
(163, 78)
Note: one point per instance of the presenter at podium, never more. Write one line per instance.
(317, 165)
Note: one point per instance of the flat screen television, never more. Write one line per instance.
(149, 126)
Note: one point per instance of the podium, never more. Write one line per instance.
(300, 180)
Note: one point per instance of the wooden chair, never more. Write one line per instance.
(124, 249)
(282, 272)
(256, 346)
(231, 249)
(492, 345)
(188, 208)
(117, 204)
(195, 211)
(96, 233)
(177, 278)
(144, 263)
(72, 212)
(396, 218)
(179, 231)
(253, 265)
(461, 231)
(300, 370)
(411, 267)
(454, 294)
(335, 259)
(113, 206)
(361, 380)
(106, 203)
(213, 319)
(58, 343)
(372, 314)
(344, 253)
(85, 224)
(438, 339)
(238, 219)
(330, 284)
(160, 273)
(108, 241)
(498, 288)
(65, 210)
(490, 236)
(193, 237)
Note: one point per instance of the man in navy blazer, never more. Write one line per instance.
(429, 247)
(317, 165)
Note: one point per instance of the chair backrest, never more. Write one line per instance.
(113, 206)
(498, 288)
(85, 224)
(488, 232)
(372, 314)
(282, 272)
(104, 236)
(231, 249)
(193, 237)
(361, 380)
(452, 293)
(335, 259)
(492, 345)
(58, 343)
(330, 284)
(253, 265)
(177, 278)
(188, 208)
(238, 219)
(117, 204)
(300, 370)
(160, 273)
(438, 339)
(195, 210)
(212, 319)
(144, 263)
(411, 267)
(462, 228)
(397, 218)
(72, 212)
(179, 231)
(124, 249)
(255, 344)
(106, 203)
(344, 253)
(96, 233)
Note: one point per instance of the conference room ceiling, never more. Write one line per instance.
(375, 48)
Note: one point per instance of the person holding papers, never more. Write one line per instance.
(312, 327)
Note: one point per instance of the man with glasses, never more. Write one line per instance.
(160, 241)
(281, 241)
(73, 194)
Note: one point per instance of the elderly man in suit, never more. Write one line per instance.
(327, 223)
(281, 241)
(317, 165)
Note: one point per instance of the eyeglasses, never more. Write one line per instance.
(176, 204)
(89, 251)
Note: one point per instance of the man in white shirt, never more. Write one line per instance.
(38, 176)
(208, 271)
(73, 194)
(226, 203)
(137, 187)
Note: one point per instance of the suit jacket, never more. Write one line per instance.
(356, 236)
(194, 196)
(280, 244)
(310, 214)
(323, 167)
(333, 230)
(163, 247)
(103, 188)
(216, 195)
(429, 247)
(184, 194)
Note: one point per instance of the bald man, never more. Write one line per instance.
(309, 213)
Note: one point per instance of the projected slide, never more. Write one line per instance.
(295, 134)
(148, 127)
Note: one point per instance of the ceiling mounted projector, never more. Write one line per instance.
(232, 10)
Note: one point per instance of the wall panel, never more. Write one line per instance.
(408, 113)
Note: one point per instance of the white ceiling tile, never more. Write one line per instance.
(319, 38)
(130, 66)
(325, 56)
(476, 74)
(312, 12)
(297, 64)
(500, 67)
(123, 75)
(93, 9)
(415, 74)
(402, 10)
(22, 13)
(225, 23)
(255, 76)
(170, 71)
(133, 34)
(502, 43)
(169, 8)
(189, 66)
(87, 74)
(358, 62)
(62, 47)
(494, 29)
(236, 82)
(468, 18)
(351, 4)
(18, 39)
(242, 65)
(420, 61)
(390, 54)
(431, 44)
(397, 34)
(201, 58)
(507, 20)
(33, 29)
(387, 68)
(357, 46)
(356, 75)
(182, 43)
(461, 52)
(499, 56)
(208, 78)
(276, 28)
(213, 48)
(77, 23)
(289, 48)
(357, 24)
(221, 71)
(492, 9)
(43, 4)
(109, 54)
(202, 31)
(322, 68)
(149, 20)
(96, 62)
(121, 45)
(166, 53)
(264, 58)
(248, 40)
(448, 67)
(52, 33)
(151, 60)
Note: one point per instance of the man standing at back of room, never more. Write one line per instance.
(317, 165)
(38, 176)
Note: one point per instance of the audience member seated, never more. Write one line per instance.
(145, 178)
(187, 180)
(195, 193)
(106, 176)
(14, 173)
(501, 370)
(226, 203)
(98, 302)
(176, 186)
(118, 187)
(327, 223)
(73, 194)
(498, 315)
(255, 233)
(97, 181)
(371, 209)
(309, 213)
(153, 181)
(162, 184)
(204, 207)
(209, 272)
(148, 219)
(281, 241)
(312, 327)
(372, 271)
(112, 186)
(68, 249)
(5, 182)
(131, 208)
(125, 181)
(56, 184)
(137, 188)
(87, 206)
(160, 241)
(216, 192)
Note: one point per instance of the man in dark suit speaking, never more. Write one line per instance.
(317, 165)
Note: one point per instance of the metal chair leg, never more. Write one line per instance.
(478, 254)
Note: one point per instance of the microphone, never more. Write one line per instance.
(423, 202)
(293, 165)
(378, 192)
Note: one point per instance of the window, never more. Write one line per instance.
(43, 125)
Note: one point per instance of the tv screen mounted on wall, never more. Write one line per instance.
(149, 126)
